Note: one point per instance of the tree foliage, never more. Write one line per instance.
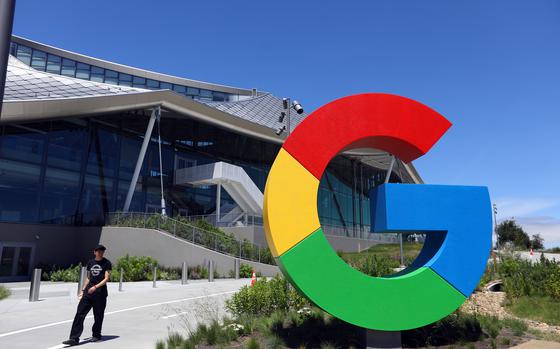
(509, 231)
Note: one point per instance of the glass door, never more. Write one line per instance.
(15, 261)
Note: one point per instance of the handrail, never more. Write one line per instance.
(222, 243)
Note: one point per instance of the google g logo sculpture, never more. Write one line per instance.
(457, 219)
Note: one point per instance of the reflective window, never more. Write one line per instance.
(60, 195)
(53, 64)
(125, 79)
(165, 86)
(180, 89)
(138, 82)
(82, 71)
(39, 60)
(97, 74)
(68, 67)
(24, 54)
(111, 77)
(19, 191)
(13, 49)
(219, 96)
(193, 91)
(22, 145)
(153, 84)
(66, 148)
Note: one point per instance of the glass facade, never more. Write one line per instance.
(54, 64)
(74, 171)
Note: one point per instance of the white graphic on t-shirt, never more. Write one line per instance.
(95, 270)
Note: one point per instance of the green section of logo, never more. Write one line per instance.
(394, 303)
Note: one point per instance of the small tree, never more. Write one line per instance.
(537, 242)
(510, 231)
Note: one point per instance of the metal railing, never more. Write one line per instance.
(246, 220)
(186, 230)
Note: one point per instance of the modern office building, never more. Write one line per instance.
(71, 134)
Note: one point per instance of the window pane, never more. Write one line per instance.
(193, 91)
(22, 145)
(180, 89)
(23, 261)
(39, 60)
(13, 49)
(125, 79)
(18, 192)
(206, 93)
(8, 255)
(138, 82)
(111, 77)
(60, 195)
(97, 74)
(218, 96)
(165, 86)
(53, 64)
(82, 71)
(153, 84)
(68, 67)
(24, 54)
(66, 148)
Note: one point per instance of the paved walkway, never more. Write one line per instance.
(134, 318)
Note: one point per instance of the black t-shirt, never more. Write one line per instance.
(96, 272)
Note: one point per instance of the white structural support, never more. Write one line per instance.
(232, 178)
(147, 136)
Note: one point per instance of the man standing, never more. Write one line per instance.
(93, 295)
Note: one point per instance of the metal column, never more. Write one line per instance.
(81, 281)
(383, 339)
(7, 8)
(218, 202)
(155, 114)
(184, 273)
(35, 285)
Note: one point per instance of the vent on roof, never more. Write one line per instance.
(253, 92)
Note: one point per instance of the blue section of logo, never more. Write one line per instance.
(457, 221)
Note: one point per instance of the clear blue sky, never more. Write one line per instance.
(491, 67)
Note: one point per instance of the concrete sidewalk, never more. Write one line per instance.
(134, 318)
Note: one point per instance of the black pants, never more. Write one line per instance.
(88, 301)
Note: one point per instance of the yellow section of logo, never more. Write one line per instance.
(290, 204)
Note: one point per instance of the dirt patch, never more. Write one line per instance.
(490, 303)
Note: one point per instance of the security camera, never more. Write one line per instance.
(297, 107)
(280, 130)
(282, 116)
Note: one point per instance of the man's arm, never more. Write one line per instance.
(86, 282)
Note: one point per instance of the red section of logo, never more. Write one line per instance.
(391, 123)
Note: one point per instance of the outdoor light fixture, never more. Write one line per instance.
(297, 107)
(286, 114)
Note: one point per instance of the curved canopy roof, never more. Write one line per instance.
(32, 95)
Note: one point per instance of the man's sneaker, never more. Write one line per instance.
(95, 339)
(71, 342)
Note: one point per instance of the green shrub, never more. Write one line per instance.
(160, 344)
(264, 298)
(518, 327)
(134, 268)
(174, 340)
(71, 274)
(245, 271)
(252, 344)
(371, 264)
(4, 292)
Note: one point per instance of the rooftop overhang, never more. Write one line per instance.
(21, 111)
